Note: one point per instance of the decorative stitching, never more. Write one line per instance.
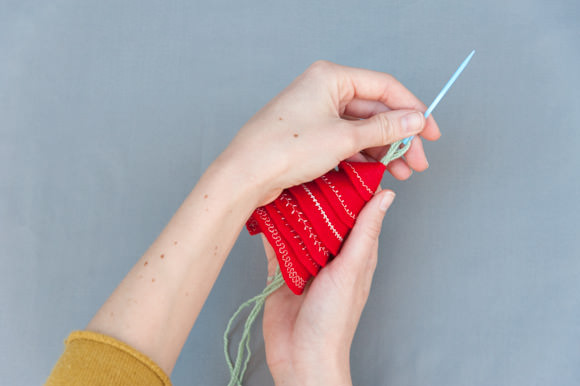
(301, 219)
(327, 181)
(334, 231)
(359, 178)
(298, 239)
(292, 274)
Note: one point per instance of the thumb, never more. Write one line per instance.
(388, 127)
(359, 252)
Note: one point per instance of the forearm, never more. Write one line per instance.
(157, 303)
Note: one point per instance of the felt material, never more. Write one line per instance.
(319, 210)
(301, 224)
(296, 245)
(307, 224)
(295, 275)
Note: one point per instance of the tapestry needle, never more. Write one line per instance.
(444, 91)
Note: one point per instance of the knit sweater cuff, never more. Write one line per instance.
(91, 358)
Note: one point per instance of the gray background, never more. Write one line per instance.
(110, 111)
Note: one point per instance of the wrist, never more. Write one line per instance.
(317, 373)
(248, 181)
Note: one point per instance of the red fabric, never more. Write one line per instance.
(308, 223)
(300, 223)
(295, 275)
(323, 218)
(295, 242)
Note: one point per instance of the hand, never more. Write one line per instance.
(316, 122)
(308, 337)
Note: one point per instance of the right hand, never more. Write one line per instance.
(328, 114)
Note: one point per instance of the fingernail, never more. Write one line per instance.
(386, 201)
(412, 122)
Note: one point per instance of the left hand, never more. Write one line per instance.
(308, 337)
(308, 128)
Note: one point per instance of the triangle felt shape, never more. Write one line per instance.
(365, 176)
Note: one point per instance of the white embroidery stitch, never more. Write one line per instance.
(359, 178)
(327, 181)
(304, 221)
(297, 237)
(333, 230)
(292, 274)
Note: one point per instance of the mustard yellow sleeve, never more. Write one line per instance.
(94, 359)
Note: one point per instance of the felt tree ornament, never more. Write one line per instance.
(307, 224)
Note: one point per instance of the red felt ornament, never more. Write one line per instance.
(307, 224)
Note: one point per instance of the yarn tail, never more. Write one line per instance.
(396, 151)
(238, 369)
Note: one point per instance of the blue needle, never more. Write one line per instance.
(444, 90)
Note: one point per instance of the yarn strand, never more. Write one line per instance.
(395, 151)
(238, 369)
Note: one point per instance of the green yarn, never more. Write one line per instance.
(395, 151)
(238, 369)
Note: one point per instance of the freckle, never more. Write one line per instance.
(153, 280)
(279, 118)
(295, 135)
(215, 253)
(145, 263)
(187, 294)
(205, 196)
(215, 248)
(175, 243)
(162, 256)
(111, 314)
(140, 276)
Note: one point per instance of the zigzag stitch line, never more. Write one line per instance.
(326, 219)
(337, 196)
(359, 178)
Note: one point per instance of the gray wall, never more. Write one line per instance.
(110, 111)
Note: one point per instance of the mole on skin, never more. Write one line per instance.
(205, 196)
(175, 243)
(162, 256)
(153, 280)
(295, 135)
(279, 118)
(145, 263)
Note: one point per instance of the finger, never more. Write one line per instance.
(415, 156)
(357, 83)
(360, 157)
(359, 108)
(385, 128)
(359, 249)
(399, 169)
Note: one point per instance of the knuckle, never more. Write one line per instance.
(385, 128)
(320, 65)
(352, 139)
(321, 69)
(372, 230)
